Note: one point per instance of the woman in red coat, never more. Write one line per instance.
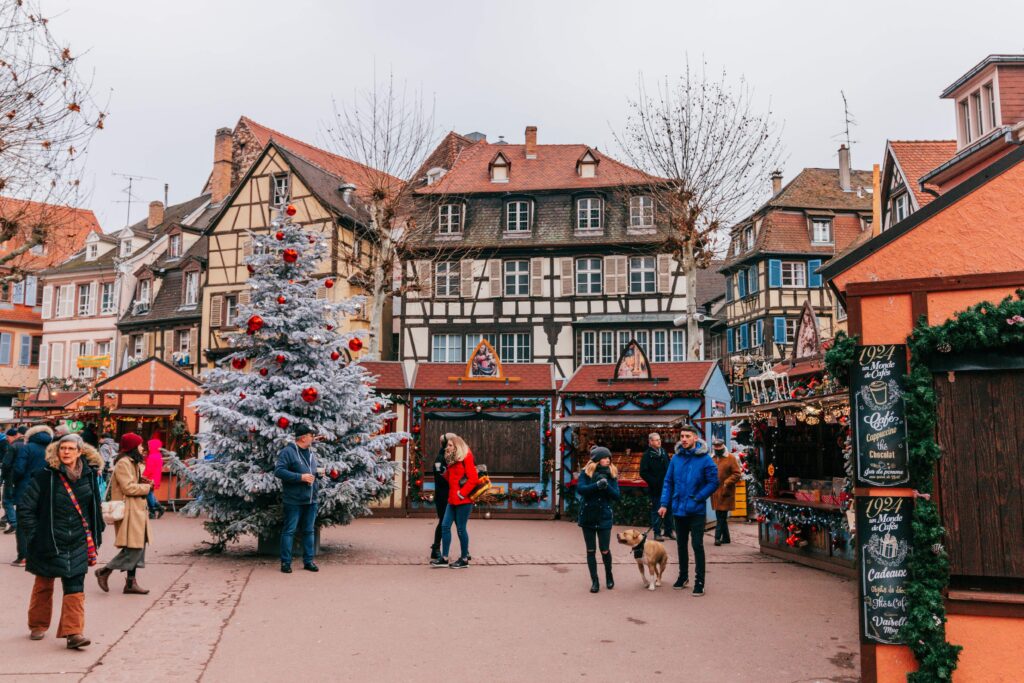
(462, 479)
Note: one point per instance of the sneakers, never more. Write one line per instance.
(439, 562)
(698, 590)
(311, 567)
(434, 553)
(20, 562)
(680, 583)
(659, 538)
(460, 563)
(10, 530)
(286, 568)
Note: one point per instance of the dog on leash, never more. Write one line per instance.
(648, 553)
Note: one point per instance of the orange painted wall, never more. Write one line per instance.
(992, 648)
(885, 319)
(944, 305)
(893, 662)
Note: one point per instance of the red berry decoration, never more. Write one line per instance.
(310, 394)
(290, 210)
(283, 422)
(290, 255)
(355, 343)
(335, 355)
(281, 300)
(238, 363)
(254, 324)
(280, 358)
(263, 372)
(328, 283)
(279, 236)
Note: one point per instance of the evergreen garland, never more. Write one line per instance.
(839, 358)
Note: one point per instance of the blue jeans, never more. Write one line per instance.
(460, 515)
(302, 517)
(151, 500)
(9, 506)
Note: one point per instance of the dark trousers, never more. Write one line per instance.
(598, 538)
(303, 518)
(657, 521)
(691, 529)
(460, 515)
(440, 505)
(722, 526)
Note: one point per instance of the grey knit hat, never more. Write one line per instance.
(599, 452)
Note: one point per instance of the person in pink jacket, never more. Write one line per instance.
(154, 472)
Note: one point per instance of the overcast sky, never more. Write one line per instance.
(175, 72)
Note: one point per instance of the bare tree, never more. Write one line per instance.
(47, 118)
(391, 131)
(713, 151)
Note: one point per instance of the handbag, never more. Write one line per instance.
(112, 510)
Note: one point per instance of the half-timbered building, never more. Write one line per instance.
(551, 253)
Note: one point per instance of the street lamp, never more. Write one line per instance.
(21, 397)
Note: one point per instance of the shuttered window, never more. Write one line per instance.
(517, 278)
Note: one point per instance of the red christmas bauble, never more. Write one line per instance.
(283, 422)
(312, 239)
(279, 236)
(335, 474)
(263, 372)
(376, 407)
(254, 324)
(290, 255)
(290, 210)
(355, 343)
(310, 394)
(238, 363)
(416, 429)
(280, 358)
(533, 495)
(405, 441)
(241, 394)
(329, 327)
(335, 355)
(548, 433)
(328, 283)
(418, 482)
(281, 300)
(250, 269)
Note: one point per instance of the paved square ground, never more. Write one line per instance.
(376, 612)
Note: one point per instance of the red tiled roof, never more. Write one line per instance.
(788, 232)
(553, 169)
(20, 314)
(807, 367)
(390, 375)
(688, 376)
(917, 157)
(535, 377)
(818, 188)
(57, 399)
(70, 227)
(351, 171)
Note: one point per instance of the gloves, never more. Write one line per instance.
(602, 484)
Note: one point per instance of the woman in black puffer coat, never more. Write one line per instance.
(598, 485)
(62, 539)
(440, 495)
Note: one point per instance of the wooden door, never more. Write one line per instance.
(507, 447)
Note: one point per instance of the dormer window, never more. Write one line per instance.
(977, 113)
(641, 212)
(449, 219)
(500, 167)
(191, 287)
(586, 166)
(434, 175)
(142, 297)
(280, 189)
(174, 246)
(92, 251)
(126, 247)
(588, 214)
(517, 216)
(821, 231)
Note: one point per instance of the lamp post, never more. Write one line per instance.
(21, 397)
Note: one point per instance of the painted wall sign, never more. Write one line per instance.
(884, 534)
(878, 381)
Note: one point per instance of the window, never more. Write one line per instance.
(517, 217)
(607, 347)
(65, 296)
(965, 121)
(449, 219)
(756, 332)
(191, 287)
(434, 174)
(900, 208)
(821, 231)
(126, 247)
(143, 292)
(174, 246)
(446, 348)
(18, 292)
(103, 349)
(84, 299)
(107, 297)
(641, 212)
(31, 290)
(624, 338)
(92, 252)
(6, 339)
(25, 350)
(588, 275)
(642, 275)
(990, 104)
(588, 213)
(230, 310)
(643, 339)
(678, 346)
(589, 347)
(515, 347)
(794, 274)
(840, 310)
(446, 278)
(499, 169)
(517, 278)
(472, 340)
(737, 338)
(791, 324)
(281, 189)
(736, 246)
(181, 341)
(979, 121)
(660, 354)
(748, 238)
(135, 343)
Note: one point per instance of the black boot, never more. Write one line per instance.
(435, 552)
(595, 585)
(609, 581)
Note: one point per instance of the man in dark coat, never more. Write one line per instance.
(297, 470)
(31, 458)
(653, 466)
(11, 446)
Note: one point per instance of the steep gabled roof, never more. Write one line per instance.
(914, 158)
(175, 213)
(710, 283)
(818, 188)
(69, 228)
(444, 155)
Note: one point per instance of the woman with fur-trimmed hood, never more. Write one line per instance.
(61, 526)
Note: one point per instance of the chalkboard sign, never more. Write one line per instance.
(878, 381)
(884, 535)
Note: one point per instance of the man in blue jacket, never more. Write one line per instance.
(692, 476)
(297, 470)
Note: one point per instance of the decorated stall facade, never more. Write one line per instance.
(619, 405)
(390, 383)
(504, 412)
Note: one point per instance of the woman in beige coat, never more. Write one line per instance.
(132, 532)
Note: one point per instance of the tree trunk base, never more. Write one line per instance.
(270, 544)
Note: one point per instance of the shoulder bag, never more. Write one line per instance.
(112, 510)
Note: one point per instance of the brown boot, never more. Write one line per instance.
(77, 641)
(132, 586)
(103, 578)
(35, 634)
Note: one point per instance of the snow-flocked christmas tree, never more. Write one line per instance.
(287, 367)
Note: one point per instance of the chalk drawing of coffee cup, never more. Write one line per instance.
(879, 392)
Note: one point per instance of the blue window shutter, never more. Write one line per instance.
(745, 335)
(779, 333)
(741, 284)
(728, 287)
(759, 326)
(775, 272)
(728, 340)
(813, 279)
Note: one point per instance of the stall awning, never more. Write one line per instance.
(145, 412)
(622, 420)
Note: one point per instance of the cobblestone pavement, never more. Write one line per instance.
(375, 612)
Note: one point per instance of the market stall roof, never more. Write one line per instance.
(144, 411)
(623, 418)
(667, 377)
(57, 399)
(807, 367)
(152, 374)
(445, 378)
(390, 375)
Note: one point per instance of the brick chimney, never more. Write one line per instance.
(531, 142)
(220, 183)
(156, 214)
(776, 182)
(844, 168)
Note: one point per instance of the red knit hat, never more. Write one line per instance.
(130, 442)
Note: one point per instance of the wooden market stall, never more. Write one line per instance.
(154, 398)
(504, 414)
(389, 382)
(46, 405)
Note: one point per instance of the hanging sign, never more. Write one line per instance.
(884, 535)
(878, 381)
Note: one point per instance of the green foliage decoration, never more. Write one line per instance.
(839, 358)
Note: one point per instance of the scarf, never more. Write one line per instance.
(74, 472)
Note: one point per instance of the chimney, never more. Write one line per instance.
(220, 183)
(156, 214)
(776, 182)
(876, 201)
(844, 168)
(531, 142)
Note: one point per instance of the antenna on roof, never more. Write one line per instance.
(128, 191)
(848, 120)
